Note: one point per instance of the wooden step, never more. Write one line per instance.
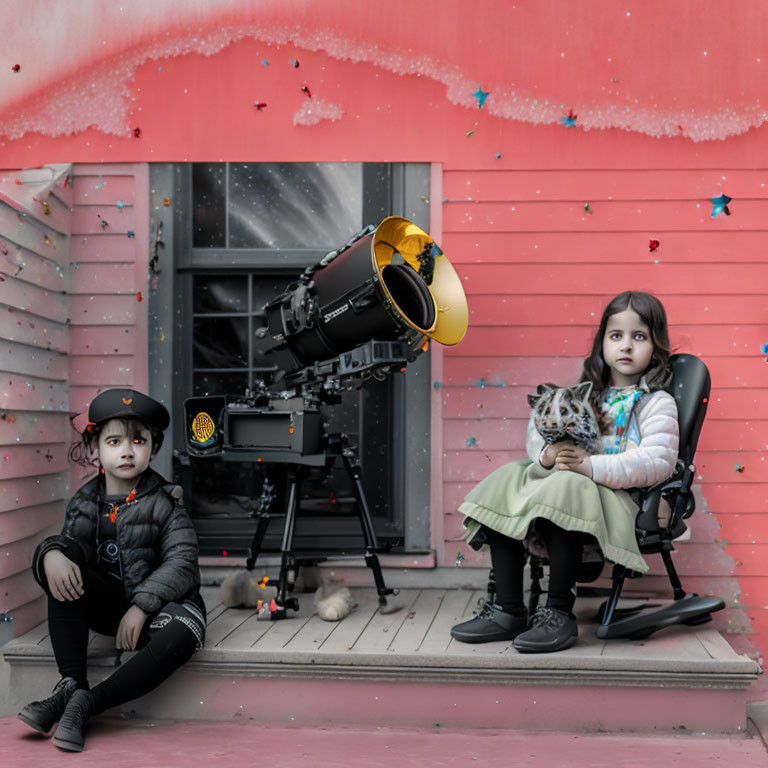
(404, 669)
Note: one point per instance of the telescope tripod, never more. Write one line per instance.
(337, 445)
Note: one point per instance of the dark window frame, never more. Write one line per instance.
(409, 191)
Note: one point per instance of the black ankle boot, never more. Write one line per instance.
(551, 630)
(69, 735)
(492, 623)
(43, 715)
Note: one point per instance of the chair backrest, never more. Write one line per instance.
(690, 386)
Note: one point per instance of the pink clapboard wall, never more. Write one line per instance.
(35, 222)
(543, 221)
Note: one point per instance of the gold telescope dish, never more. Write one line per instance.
(398, 236)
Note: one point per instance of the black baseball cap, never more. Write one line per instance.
(128, 404)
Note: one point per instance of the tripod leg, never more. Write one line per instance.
(371, 543)
(258, 540)
(286, 548)
(262, 512)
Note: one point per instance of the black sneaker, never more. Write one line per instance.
(69, 735)
(43, 715)
(492, 623)
(551, 630)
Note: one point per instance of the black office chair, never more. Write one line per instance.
(690, 386)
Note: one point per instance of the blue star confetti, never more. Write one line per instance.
(720, 205)
(569, 120)
(481, 96)
(764, 349)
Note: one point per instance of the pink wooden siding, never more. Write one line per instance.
(34, 426)
(71, 326)
(538, 269)
(108, 331)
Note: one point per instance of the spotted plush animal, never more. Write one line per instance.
(567, 413)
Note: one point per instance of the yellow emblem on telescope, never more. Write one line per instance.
(203, 427)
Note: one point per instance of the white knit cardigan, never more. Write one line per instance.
(651, 462)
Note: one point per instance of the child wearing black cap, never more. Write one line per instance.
(125, 565)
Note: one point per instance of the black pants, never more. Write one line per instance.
(167, 640)
(508, 559)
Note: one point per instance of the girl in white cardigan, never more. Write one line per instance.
(563, 498)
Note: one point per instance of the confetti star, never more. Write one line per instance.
(653, 245)
(305, 89)
(16, 67)
(481, 96)
(137, 132)
(569, 120)
(259, 105)
(720, 204)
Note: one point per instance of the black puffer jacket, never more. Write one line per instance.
(158, 545)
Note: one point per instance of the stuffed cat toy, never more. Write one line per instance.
(567, 413)
(333, 603)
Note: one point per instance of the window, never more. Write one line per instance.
(242, 233)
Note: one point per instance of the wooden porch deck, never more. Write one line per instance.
(682, 676)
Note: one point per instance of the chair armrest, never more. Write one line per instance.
(676, 491)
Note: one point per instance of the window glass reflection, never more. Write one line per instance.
(220, 342)
(214, 294)
(294, 205)
(208, 205)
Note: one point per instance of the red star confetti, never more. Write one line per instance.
(259, 105)
(137, 132)
(569, 120)
(306, 90)
(653, 245)
(16, 67)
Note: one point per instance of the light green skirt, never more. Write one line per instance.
(514, 495)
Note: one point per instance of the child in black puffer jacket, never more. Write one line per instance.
(125, 565)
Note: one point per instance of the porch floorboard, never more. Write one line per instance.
(403, 668)
(417, 636)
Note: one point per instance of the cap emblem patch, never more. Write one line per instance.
(127, 400)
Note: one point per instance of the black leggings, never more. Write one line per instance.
(167, 640)
(508, 559)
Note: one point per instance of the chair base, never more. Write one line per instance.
(691, 610)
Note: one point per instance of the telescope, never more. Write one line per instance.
(367, 309)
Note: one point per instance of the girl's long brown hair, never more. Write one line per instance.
(651, 312)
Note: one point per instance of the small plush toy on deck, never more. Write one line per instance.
(333, 603)
(245, 589)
